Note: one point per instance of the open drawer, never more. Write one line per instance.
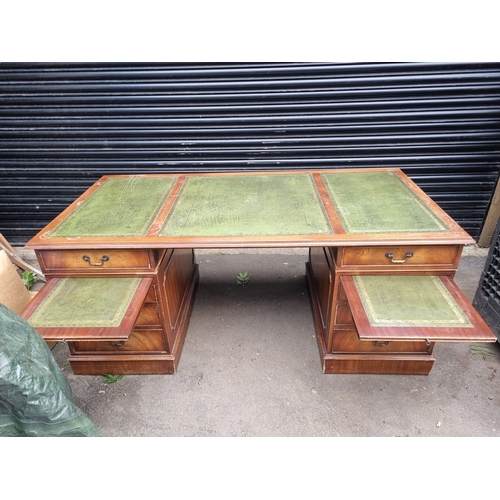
(98, 309)
(430, 308)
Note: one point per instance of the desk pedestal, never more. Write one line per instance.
(376, 311)
(342, 352)
(154, 343)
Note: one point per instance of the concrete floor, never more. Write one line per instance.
(251, 367)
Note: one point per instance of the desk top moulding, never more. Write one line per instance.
(277, 209)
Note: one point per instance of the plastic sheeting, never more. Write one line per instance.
(35, 396)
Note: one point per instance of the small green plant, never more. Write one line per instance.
(242, 278)
(29, 278)
(482, 350)
(111, 379)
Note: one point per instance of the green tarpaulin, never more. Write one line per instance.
(35, 396)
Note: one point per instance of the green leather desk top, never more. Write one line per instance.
(417, 307)
(80, 308)
(379, 202)
(254, 205)
(409, 301)
(120, 207)
(304, 208)
(86, 303)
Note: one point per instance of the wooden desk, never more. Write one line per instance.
(365, 230)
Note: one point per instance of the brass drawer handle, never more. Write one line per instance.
(104, 259)
(380, 343)
(390, 255)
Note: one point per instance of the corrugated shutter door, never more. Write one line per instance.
(62, 126)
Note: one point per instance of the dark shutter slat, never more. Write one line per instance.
(64, 125)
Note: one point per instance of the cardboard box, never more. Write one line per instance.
(13, 292)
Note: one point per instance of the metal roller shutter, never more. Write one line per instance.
(62, 126)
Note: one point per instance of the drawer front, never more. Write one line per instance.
(96, 260)
(343, 316)
(139, 341)
(341, 294)
(348, 342)
(151, 296)
(402, 256)
(149, 316)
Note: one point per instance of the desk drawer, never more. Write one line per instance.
(347, 341)
(139, 341)
(442, 256)
(98, 260)
(343, 316)
(149, 316)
